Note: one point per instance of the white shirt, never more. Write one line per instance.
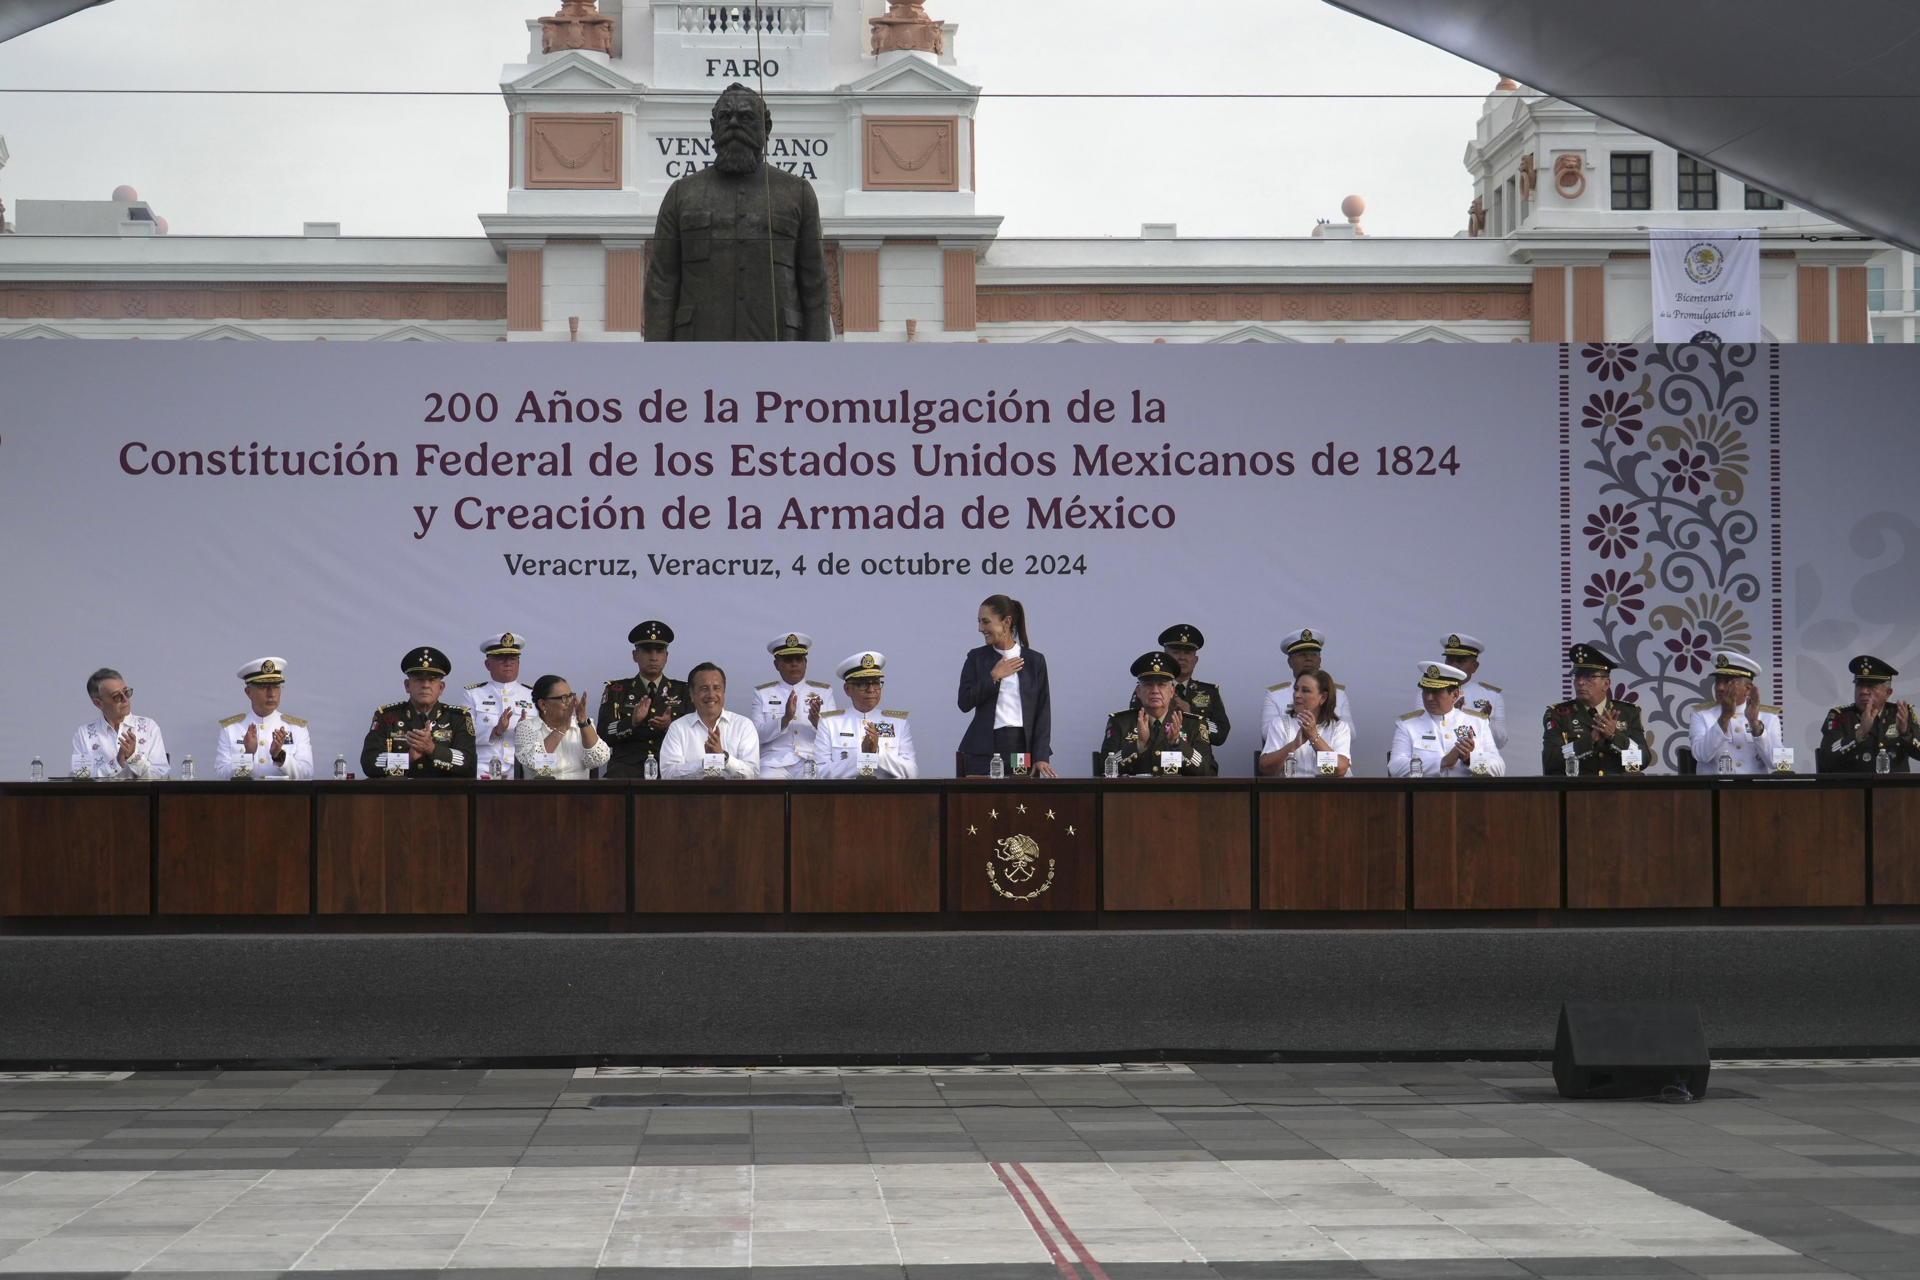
(229, 750)
(491, 700)
(1750, 754)
(1431, 737)
(96, 750)
(568, 759)
(1490, 702)
(1336, 733)
(842, 732)
(683, 751)
(780, 748)
(1006, 710)
(1278, 710)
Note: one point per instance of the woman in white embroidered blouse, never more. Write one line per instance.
(562, 742)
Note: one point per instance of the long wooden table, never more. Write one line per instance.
(1066, 853)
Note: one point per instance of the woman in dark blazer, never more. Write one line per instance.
(1021, 722)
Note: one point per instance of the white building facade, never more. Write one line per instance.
(872, 106)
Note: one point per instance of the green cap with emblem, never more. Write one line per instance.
(426, 661)
(1182, 635)
(1590, 658)
(1155, 666)
(1868, 669)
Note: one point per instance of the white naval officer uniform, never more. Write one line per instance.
(1476, 694)
(96, 751)
(1750, 754)
(1430, 737)
(230, 753)
(784, 751)
(841, 736)
(683, 750)
(1489, 701)
(491, 700)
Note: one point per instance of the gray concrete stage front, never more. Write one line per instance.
(933, 996)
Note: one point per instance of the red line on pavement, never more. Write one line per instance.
(1066, 1232)
(1067, 1270)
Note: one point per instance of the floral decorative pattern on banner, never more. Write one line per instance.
(1671, 554)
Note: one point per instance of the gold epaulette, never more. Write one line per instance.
(768, 685)
(1496, 688)
(1708, 705)
(828, 715)
(1275, 688)
(819, 684)
(1411, 714)
(899, 714)
(296, 721)
(1769, 710)
(1477, 715)
(230, 721)
(475, 685)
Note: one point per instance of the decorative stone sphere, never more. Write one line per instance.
(124, 194)
(1353, 207)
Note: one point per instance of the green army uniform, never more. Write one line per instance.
(1203, 698)
(1571, 722)
(1842, 750)
(455, 753)
(1138, 758)
(632, 743)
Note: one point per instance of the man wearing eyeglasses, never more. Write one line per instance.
(861, 741)
(119, 744)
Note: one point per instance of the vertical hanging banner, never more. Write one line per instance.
(1706, 286)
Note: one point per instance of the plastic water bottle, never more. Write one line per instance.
(497, 767)
(186, 769)
(1288, 770)
(1724, 765)
(1882, 762)
(996, 767)
(340, 768)
(651, 770)
(1112, 766)
(1416, 767)
(807, 770)
(37, 771)
(1573, 766)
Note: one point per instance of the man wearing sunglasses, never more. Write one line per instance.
(119, 744)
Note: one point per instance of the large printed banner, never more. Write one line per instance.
(174, 510)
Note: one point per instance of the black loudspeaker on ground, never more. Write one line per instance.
(1630, 1049)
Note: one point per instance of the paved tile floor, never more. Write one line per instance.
(1213, 1172)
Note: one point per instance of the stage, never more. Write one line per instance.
(774, 922)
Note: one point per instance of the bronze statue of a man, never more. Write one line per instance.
(737, 255)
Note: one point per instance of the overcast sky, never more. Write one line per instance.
(261, 165)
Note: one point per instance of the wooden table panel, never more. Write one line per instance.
(866, 851)
(1486, 850)
(1637, 844)
(549, 851)
(991, 868)
(1176, 850)
(1333, 850)
(1787, 846)
(709, 852)
(63, 853)
(1896, 845)
(235, 853)
(392, 854)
